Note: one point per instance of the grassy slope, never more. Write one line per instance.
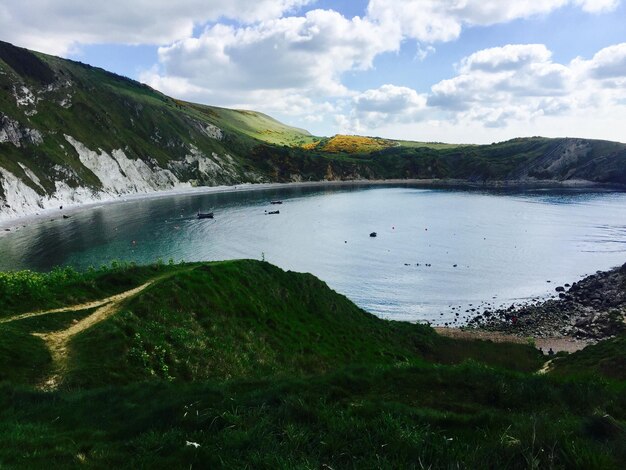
(247, 318)
(254, 125)
(24, 358)
(354, 144)
(112, 112)
(221, 321)
(312, 381)
(418, 416)
(27, 291)
(606, 359)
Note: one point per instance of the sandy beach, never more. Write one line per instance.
(558, 344)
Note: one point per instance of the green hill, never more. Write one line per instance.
(606, 359)
(242, 365)
(71, 133)
(209, 321)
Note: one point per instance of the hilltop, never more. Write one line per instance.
(241, 364)
(71, 133)
(204, 321)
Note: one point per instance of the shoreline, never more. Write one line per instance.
(8, 224)
(552, 340)
(586, 312)
(556, 343)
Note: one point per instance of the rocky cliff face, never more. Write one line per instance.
(577, 159)
(70, 134)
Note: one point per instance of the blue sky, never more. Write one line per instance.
(436, 70)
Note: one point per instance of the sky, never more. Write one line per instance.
(469, 71)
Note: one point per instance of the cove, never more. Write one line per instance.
(435, 248)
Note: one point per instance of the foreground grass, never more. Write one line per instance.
(255, 367)
(215, 321)
(26, 291)
(410, 416)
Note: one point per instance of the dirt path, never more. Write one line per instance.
(58, 341)
(73, 308)
(546, 367)
(557, 344)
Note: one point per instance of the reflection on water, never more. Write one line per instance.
(504, 245)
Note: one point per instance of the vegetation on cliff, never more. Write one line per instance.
(63, 122)
(235, 364)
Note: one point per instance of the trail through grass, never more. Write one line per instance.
(57, 341)
(263, 368)
(76, 308)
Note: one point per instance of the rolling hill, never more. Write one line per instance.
(239, 364)
(71, 133)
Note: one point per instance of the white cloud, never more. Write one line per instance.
(424, 51)
(390, 99)
(59, 25)
(609, 63)
(516, 90)
(295, 56)
(443, 20)
(514, 82)
(598, 6)
(376, 107)
(510, 57)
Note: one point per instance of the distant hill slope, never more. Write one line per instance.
(72, 133)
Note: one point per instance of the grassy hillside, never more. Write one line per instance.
(254, 125)
(257, 367)
(413, 416)
(606, 359)
(354, 144)
(212, 321)
(53, 111)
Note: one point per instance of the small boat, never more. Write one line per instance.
(273, 212)
(205, 215)
(373, 234)
(276, 202)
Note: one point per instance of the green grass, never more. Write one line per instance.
(220, 320)
(250, 319)
(111, 112)
(24, 358)
(605, 359)
(271, 369)
(254, 125)
(413, 416)
(430, 145)
(26, 291)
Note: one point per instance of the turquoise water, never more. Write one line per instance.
(505, 245)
